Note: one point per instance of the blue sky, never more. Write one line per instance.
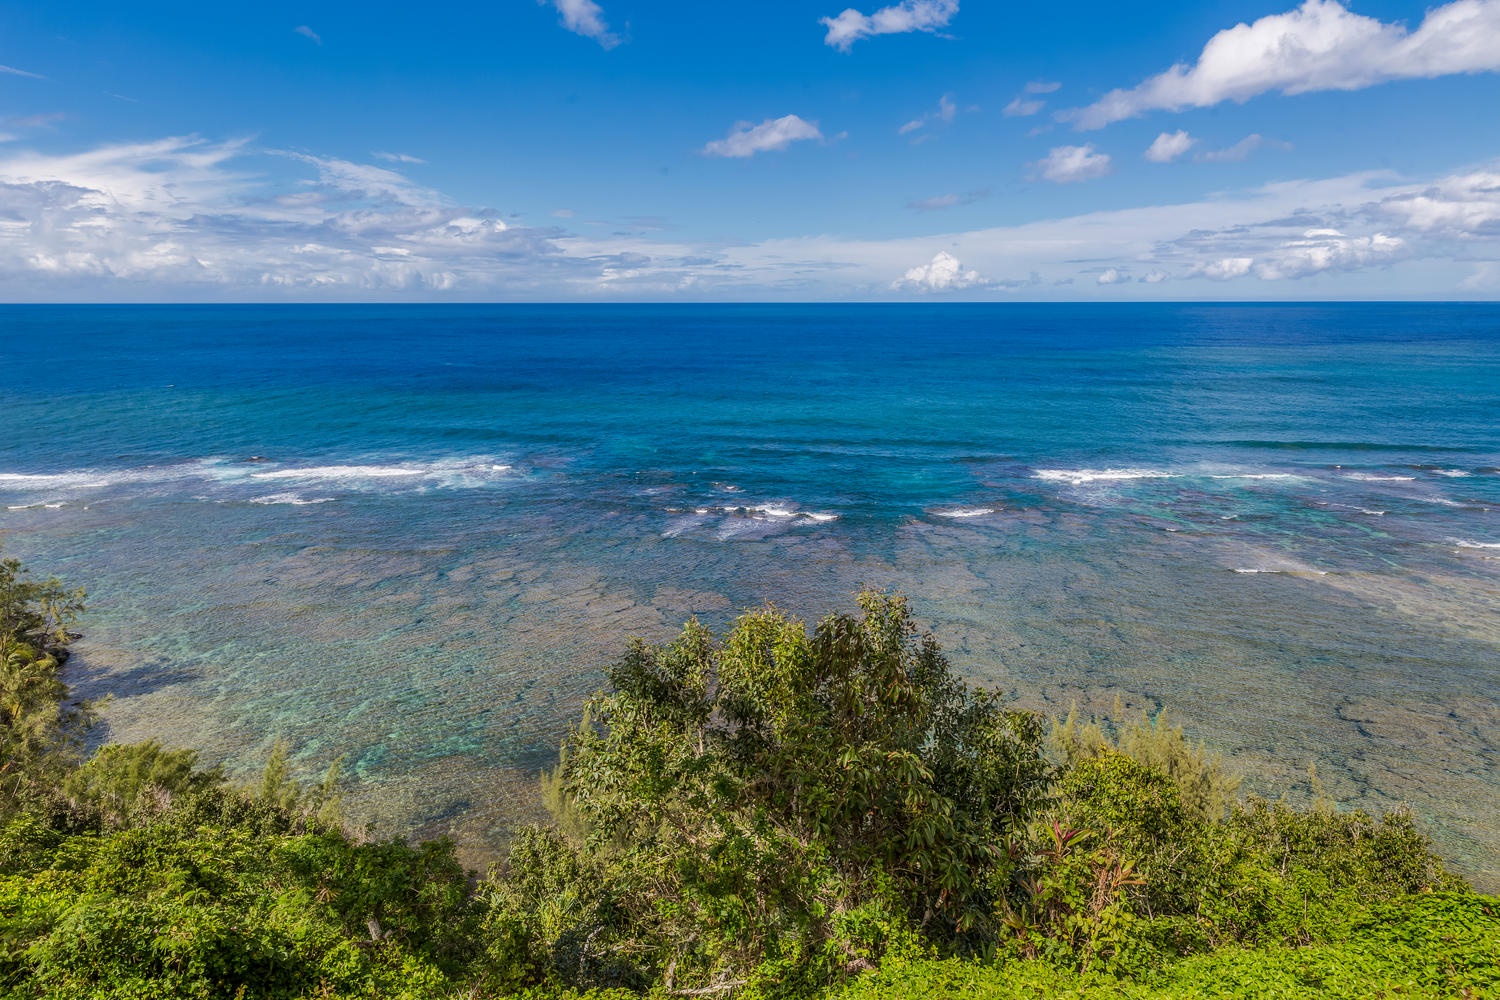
(584, 150)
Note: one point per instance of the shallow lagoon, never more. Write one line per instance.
(414, 535)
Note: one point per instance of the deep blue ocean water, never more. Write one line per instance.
(414, 535)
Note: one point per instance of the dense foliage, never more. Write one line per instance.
(782, 812)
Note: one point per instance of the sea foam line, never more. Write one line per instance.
(1081, 477)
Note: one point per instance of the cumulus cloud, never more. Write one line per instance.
(1069, 164)
(1328, 250)
(1111, 276)
(397, 157)
(909, 15)
(307, 32)
(1465, 206)
(1320, 45)
(1226, 268)
(943, 273)
(771, 135)
(586, 18)
(1169, 146)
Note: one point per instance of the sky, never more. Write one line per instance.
(789, 150)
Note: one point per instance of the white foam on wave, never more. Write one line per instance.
(1082, 477)
(754, 520)
(342, 472)
(81, 480)
(294, 499)
(1257, 475)
(1370, 477)
(1452, 473)
(1353, 507)
(961, 512)
(1464, 543)
(1282, 571)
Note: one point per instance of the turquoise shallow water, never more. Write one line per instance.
(414, 535)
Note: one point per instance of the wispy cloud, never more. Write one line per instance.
(942, 201)
(308, 33)
(771, 135)
(1320, 45)
(1169, 146)
(1024, 107)
(1241, 150)
(946, 111)
(1070, 164)
(397, 157)
(909, 15)
(37, 121)
(586, 18)
(11, 70)
(1027, 103)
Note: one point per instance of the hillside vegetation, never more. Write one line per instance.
(777, 812)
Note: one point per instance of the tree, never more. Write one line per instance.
(787, 799)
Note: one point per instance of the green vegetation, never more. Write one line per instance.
(783, 812)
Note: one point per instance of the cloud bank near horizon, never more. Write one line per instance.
(189, 218)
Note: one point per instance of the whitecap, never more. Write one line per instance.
(342, 472)
(962, 511)
(291, 498)
(1284, 572)
(1080, 477)
(1466, 544)
(1366, 477)
(1452, 473)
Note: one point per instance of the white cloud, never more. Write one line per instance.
(1169, 146)
(942, 201)
(946, 111)
(773, 134)
(1023, 108)
(935, 203)
(1466, 206)
(1068, 164)
(397, 157)
(12, 71)
(1226, 269)
(909, 15)
(185, 218)
(184, 214)
(586, 18)
(943, 274)
(307, 32)
(1327, 250)
(1241, 149)
(1111, 276)
(1320, 45)
(1026, 103)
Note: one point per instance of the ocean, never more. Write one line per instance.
(412, 536)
